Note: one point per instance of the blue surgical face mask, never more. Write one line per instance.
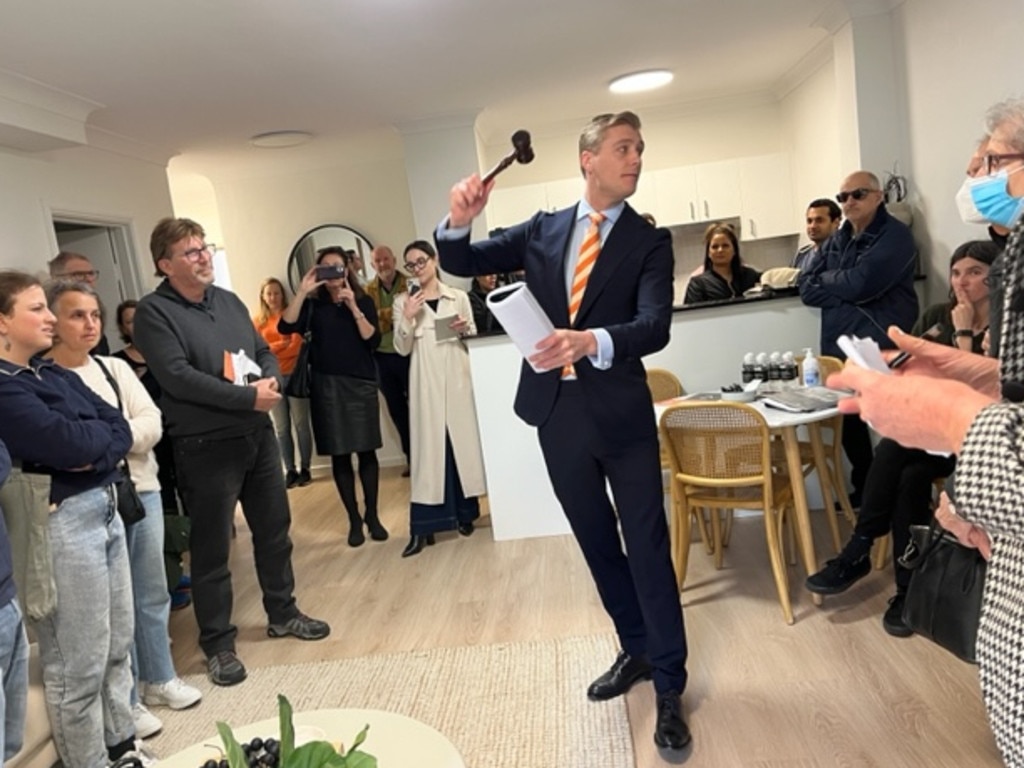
(986, 199)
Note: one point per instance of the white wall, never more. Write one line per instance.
(92, 183)
(960, 59)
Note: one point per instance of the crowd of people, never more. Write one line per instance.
(193, 414)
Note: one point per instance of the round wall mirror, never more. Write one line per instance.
(303, 255)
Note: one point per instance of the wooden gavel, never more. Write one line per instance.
(521, 152)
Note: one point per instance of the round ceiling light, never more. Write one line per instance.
(647, 80)
(280, 139)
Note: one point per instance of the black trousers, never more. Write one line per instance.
(393, 372)
(898, 494)
(638, 586)
(857, 446)
(213, 475)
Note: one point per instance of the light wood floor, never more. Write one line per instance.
(831, 690)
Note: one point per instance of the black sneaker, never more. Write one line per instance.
(225, 668)
(291, 479)
(892, 619)
(304, 477)
(302, 627)
(838, 575)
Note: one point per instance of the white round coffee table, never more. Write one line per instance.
(395, 740)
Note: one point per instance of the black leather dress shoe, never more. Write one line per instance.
(671, 732)
(416, 545)
(623, 674)
(466, 529)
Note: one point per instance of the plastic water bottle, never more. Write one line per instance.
(747, 371)
(811, 372)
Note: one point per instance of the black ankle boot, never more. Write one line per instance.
(377, 531)
(355, 530)
(416, 544)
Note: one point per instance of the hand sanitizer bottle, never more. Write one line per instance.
(811, 371)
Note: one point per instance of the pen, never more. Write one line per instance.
(901, 359)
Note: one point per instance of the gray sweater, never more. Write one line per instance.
(184, 344)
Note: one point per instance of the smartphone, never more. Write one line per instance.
(901, 359)
(329, 272)
(414, 288)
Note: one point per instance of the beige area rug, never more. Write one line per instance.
(513, 705)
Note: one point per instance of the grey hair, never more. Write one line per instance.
(1009, 111)
(57, 288)
(593, 133)
(57, 263)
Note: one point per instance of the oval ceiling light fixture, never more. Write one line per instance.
(280, 139)
(647, 80)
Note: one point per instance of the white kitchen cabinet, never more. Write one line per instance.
(767, 188)
(718, 190)
(675, 191)
(512, 205)
(564, 192)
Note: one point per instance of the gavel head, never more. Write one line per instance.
(521, 143)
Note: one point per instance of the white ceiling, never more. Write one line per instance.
(199, 77)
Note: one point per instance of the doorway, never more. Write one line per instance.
(108, 246)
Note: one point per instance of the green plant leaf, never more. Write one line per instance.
(284, 708)
(360, 738)
(360, 760)
(315, 754)
(236, 757)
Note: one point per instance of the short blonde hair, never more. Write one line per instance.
(594, 132)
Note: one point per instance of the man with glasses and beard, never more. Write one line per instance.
(863, 281)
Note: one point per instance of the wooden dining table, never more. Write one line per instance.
(785, 425)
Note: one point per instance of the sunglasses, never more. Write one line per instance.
(857, 194)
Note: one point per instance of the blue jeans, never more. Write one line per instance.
(213, 476)
(85, 644)
(288, 413)
(14, 663)
(151, 652)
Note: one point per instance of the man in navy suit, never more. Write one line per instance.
(591, 404)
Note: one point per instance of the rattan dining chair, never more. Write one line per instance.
(721, 460)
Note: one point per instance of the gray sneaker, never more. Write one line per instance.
(225, 668)
(302, 627)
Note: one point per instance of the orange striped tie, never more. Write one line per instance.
(590, 248)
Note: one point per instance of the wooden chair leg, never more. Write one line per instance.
(716, 537)
(881, 552)
(771, 523)
(702, 528)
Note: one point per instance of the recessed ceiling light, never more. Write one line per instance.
(640, 81)
(280, 139)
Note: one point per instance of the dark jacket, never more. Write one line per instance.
(711, 286)
(184, 345)
(863, 284)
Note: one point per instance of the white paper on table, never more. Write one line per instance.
(521, 316)
(243, 365)
(864, 352)
(443, 329)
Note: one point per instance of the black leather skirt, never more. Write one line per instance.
(345, 414)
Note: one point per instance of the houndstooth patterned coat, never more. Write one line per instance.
(990, 492)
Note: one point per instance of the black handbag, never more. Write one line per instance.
(943, 601)
(301, 378)
(129, 503)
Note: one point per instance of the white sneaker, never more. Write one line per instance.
(137, 757)
(146, 723)
(175, 693)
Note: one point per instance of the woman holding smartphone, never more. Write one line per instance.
(342, 321)
(898, 488)
(447, 463)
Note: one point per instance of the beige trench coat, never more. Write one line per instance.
(440, 396)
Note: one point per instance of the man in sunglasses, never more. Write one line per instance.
(863, 281)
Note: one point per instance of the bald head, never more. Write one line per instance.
(860, 194)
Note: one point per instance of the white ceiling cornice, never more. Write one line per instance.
(36, 117)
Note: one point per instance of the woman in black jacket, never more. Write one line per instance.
(725, 276)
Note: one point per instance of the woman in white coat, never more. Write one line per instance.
(447, 463)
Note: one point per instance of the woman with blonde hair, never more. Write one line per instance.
(290, 412)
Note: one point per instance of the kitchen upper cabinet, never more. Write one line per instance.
(564, 192)
(767, 188)
(512, 205)
(675, 192)
(718, 190)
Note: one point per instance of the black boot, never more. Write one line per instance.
(355, 530)
(416, 544)
(377, 531)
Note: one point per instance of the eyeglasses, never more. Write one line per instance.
(83, 276)
(194, 254)
(993, 160)
(416, 266)
(857, 194)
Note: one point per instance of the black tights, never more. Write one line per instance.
(344, 478)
